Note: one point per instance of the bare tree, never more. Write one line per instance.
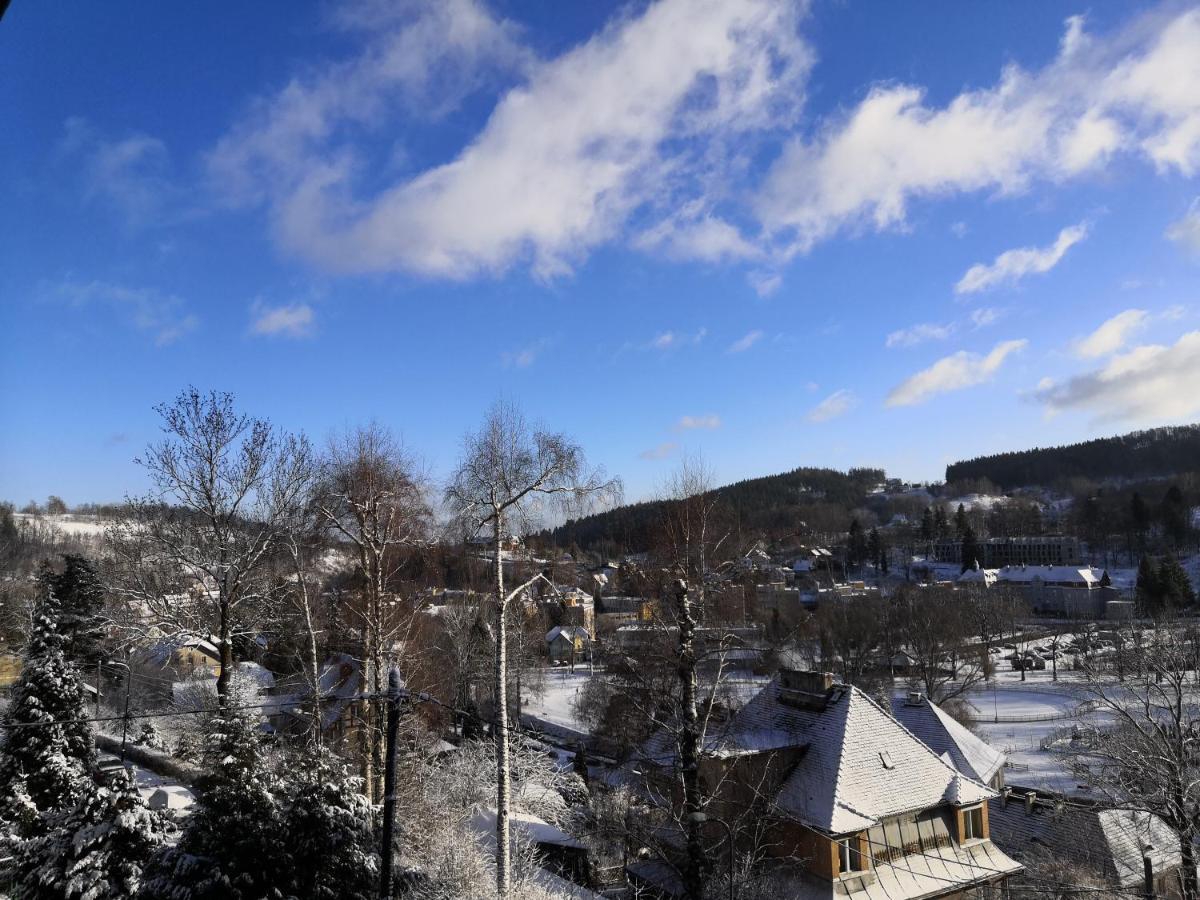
(1148, 761)
(372, 497)
(509, 470)
(936, 630)
(192, 555)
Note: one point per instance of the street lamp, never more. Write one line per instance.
(700, 818)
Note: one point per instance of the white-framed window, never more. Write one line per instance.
(972, 823)
(849, 859)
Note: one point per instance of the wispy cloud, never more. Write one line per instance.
(1013, 265)
(1186, 231)
(765, 283)
(690, 423)
(164, 317)
(131, 175)
(1112, 335)
(662, 451)
(953, 373)
(919, 334)
(673, 340)
(744, 343)
(290, 321)
(836, 404)
(985, 316)
(565, 159)
(1148, 384)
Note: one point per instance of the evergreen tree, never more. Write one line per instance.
(927, 525)
(960, 522)
(1174, 584)
(95, 851)
(941, 525)
(1176, 516)
(1147, 589)
(877, 551)
(48, 748)
(856, 544)
(970, 549)
(328, 836)
(1139, 519)
(81, 606)
(231, 848)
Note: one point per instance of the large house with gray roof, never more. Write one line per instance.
(852, 803)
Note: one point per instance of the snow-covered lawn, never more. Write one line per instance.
(556, 704)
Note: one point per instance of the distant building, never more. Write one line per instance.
(1070, 591)
(568, 644)
(1047, 550)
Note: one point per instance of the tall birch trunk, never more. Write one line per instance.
(689, 747)
(503, 875)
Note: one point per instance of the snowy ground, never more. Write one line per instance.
(76, 526)
(556, 704)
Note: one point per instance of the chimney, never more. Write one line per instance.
(1004, 795)
(1030, 799)
(915, 698)
(805, 690)
(1058, 807)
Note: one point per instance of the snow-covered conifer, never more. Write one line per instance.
(328, 833)
(47, 743)
(232, 847)
(95, 851)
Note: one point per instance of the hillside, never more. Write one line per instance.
(1139, 454)
(773, 505)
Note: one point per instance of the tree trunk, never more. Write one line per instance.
(689, 748)
(225, 645)
(503, 877)
(1187, 868)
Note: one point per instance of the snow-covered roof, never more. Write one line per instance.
(532, 828)
(944, 736)
(1056, 574)
(977, 575)
(1107, 840)
(569, 632)
(857, 764)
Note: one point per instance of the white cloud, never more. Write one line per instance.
(984, 316)
(1186, 232)
(662, 451)
(163, 316)
(1135, 91)
(672, 340)
(294, 321)
(1013, 265)
(745, 342)
(765, 283)
(565, 159)
(690, 423)
(918, 334)
(1112, 335)
(694, 234)
(131, 175)
(952, 373)
(1148, 384)
(836, 404)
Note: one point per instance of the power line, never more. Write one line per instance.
(281, 703)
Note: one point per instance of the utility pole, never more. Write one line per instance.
(389, 782)
(1148, 871)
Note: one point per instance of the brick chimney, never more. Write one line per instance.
(805, 690)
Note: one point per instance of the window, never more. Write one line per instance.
(849, 859)
(973, 823)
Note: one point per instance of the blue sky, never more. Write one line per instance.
(836, 233)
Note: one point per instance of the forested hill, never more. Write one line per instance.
(1140, 454)
(773, 505)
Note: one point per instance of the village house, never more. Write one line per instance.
(852, 803)
(1110, 845)
(1073, 591)
(568, 644)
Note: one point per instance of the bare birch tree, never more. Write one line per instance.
(372, 498)
(508, 473)
(192, 556)
(1148, 760)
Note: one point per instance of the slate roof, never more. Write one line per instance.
(938, 731)
(1108, 841)
(859, 764)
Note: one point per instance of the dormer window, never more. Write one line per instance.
(972, 824)
(849, 858)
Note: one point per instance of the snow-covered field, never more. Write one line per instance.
(556, 704)
(76, 526)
